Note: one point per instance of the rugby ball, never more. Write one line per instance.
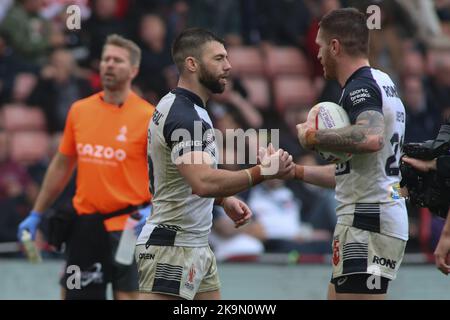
(332, 116)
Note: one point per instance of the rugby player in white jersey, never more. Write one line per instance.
(172, 252)
(372, 226)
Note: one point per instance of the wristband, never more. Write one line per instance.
(299, 172)
(254, 176)
(310, 137)
(219, 201)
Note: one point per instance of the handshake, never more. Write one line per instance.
(277, 164)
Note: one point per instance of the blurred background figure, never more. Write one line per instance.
(58, 87)
(279, 212)
(29, 34)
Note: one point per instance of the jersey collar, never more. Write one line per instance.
(102, 95)
(190, 95)
(355, 74)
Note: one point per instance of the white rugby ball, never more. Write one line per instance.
(332, 116)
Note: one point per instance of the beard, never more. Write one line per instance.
(112, 82)
(209, 81)
(330, 68)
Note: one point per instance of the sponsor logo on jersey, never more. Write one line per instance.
(147, 256)
(358, 96)
(384, 262)
(101, 152)
(395, 192)
(122, 136)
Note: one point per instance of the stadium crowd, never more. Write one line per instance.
(45, 67)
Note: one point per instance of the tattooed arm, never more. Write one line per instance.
(365, 136)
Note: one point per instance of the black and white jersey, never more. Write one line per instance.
(180, 125)
(367, 186)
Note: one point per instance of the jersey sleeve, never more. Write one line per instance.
(184, 135)
(362, 97)
(67, 145)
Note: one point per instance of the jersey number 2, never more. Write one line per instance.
(392, 168)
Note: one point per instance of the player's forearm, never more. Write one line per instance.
(353, 139)
(225, 183)
(365, 136)
(56, 178)
(322, 176)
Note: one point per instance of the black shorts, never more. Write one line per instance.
(361, 283)
(91, 250)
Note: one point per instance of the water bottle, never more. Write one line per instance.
(31, 251)
(127, 243)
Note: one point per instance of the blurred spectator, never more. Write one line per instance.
(293, 115)
(426, 20)
(24, 84)
(234, 100)
(234, 244)
(58, 88)
(413, 64)
(28, 34)
(385, 46)
(156, 57)
(422, 117)
(318, 204)
(10, 66)
(51, 9)
(178, 17)
(102, 23)
(222, 17)
(276, 208)
(440, 85)
(282, 22)
(4, 7)
(17, 193)
(318, 10)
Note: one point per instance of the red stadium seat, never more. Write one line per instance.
(246, 60)
(258, 91)
(29, 146)
(285, 60)
(20, 117)
(292, 90)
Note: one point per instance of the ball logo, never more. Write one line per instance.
(101, 152)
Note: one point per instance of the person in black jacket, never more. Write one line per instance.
(442, 166)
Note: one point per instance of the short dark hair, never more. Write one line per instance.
(189, 43)
(348, 25)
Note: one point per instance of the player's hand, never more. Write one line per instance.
(237, 210)
(30, 223)
(305, 129)
(420, 165)
(145, 213)
(441, 254)
(276, 164)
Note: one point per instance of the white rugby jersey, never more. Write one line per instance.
(180, 125)
(367, 186)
